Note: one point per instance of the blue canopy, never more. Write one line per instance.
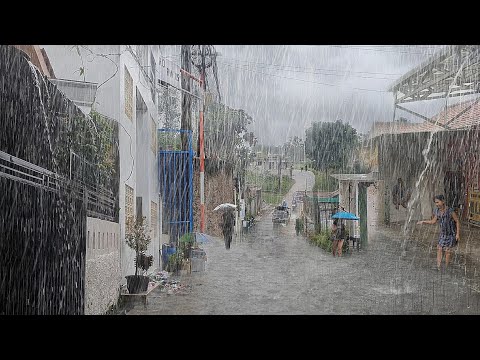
(345, 215)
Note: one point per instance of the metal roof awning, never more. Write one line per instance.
(453, 71)
(331, 200)
(323, 196)
(82, 93)
(373, 176)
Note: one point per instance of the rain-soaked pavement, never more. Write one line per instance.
(270, 270)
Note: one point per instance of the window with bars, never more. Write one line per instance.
(128, 94)
(154, 217)
(128, 202)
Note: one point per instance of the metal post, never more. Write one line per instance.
(202, 158)
(304, 150)
(362, 211)
(280, 176)
(236, 212)
(394, 104)
(190, 170)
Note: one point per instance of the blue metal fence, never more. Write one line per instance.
(175, 173)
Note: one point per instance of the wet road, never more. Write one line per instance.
(270, 270)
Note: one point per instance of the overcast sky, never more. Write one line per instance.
(286, 88)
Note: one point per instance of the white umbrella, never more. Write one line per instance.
(225, 206)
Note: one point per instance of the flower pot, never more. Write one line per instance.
(137, 283)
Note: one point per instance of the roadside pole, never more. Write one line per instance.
(202, 157)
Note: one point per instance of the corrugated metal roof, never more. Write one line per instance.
(356, 177)
(380, 128)
(469, 117)
(450, 119)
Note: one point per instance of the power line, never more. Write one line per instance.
(308, 81)
(319, 69)
(346, 72)
(306, 68)
(428, 50)
(316, 70)
(380, 50)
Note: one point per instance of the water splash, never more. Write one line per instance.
(37, 84)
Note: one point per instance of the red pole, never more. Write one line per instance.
(202, 159)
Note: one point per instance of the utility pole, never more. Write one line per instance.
(203, 56)
(202, 163)
(200, 64)
(186, 98)
(202, 151)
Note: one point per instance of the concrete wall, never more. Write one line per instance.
(378, 196)
(421, 160)
(401, 156)
(102, 268)
(141, 172)
(348, 199)
(375, 207)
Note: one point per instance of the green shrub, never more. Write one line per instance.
(323, 241)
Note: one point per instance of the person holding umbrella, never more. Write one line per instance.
(338, 236)
(228, 222)
(340, 233)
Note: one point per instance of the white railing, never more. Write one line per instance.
(25, 172)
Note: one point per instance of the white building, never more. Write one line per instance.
(124, 78)
(273, 161)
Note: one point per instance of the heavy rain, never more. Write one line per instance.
(239, 179)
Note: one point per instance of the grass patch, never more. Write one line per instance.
(269, 184)
(272, 198)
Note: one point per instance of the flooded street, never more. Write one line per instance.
(117, 163)
(270, 270)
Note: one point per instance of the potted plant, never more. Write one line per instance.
(174, 261)
(179, 260)
(186, 242)
(137, 239)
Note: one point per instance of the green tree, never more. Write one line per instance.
(330, 144)
(223, 131)
(169, 108)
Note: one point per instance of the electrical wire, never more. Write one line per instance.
(323, 73)
(314, 69)
(309, 81)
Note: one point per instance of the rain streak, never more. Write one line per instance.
(239, 179)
